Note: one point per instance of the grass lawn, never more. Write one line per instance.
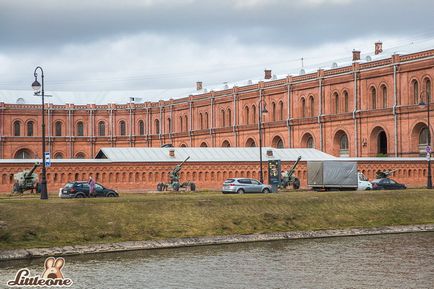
(27, 222)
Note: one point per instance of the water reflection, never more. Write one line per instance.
(387, 261)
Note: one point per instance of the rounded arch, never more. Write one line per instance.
(24, 153)
(122, 127)
(183, 145)
(80, 155)
(58, 155)
(250, 142)
(226, 144)
(346, 100)
(341, 144)
(16, 127)
(419, 138)
(101, 128)
(203, 145)
(311, 105)
(79, 128)
(277, 142)
(427, 83)
(378, 144)
(373, 96)
(246, 115)
(157, 126)
(303, 106)
(141, 125)
(414, 90)
(384, 95)
(307, 141)
(335, 102)
(273, 111)
(30, 127)
(58, 127)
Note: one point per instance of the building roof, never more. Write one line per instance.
(209, 154)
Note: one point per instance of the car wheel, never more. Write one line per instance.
(368, 189)
(79, 196)
(266, 191)
(240, 191)
(110, 195)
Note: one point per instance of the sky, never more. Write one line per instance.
(107, 45)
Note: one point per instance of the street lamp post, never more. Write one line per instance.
(262, 110)
(428, 149)
(39, 89)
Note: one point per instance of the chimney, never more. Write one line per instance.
(356, 55)
(269, 153)
(267, 74)
(172, 153)
(378, 47)
(199, 85)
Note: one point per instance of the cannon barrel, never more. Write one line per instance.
(291, 171)
(184, 161)
(29, 174)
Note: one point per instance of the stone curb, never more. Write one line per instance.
(202, 241)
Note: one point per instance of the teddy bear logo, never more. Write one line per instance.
(53, 268)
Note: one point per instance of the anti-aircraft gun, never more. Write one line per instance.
(25, 180)
(288, 177)
(384, 174)
(174, 183)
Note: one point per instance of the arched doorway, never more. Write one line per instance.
(341, 144)
(226, 144)
(24, 154)
(250, 143)
(419, 139)
(378, 142)
(277, 142)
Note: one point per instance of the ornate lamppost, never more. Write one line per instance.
(428, 148)
(39, 90)
(262, 110)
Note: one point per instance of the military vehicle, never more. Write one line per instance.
(25, 180)
(288, 177)
(384, 174)
(174, 183)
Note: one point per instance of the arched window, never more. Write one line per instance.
(423, 140)
(186, 122)
(373, 98)
(30, 128)
(101, 128)
(415, 86)
(141, 127)
(58, 156)
(181, 126)
(157, 126)
(206, 120)
(281, 110)
(80, 128)
(23, 154)
(384, 92)
(312, 106)
(80, 155)
(273, 111)
(58, 128)
(309, 143)
(336, 102)
(17, 128)
(346, 106)
(250, 143)
(223, 118)
(226, 144)
(169, 125)
(247, 115)
(254, 118)
(229, 113)
(303, 107)
(343, 143)
(122, 127)
(201, 120)
(203, 145)
(277, 142)
(428, 88)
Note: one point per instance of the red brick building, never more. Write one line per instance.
(367, 108)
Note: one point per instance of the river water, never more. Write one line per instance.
(381, 261)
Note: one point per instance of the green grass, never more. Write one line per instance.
(27, 222)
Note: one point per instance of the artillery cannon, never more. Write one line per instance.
(288, 177)
(384, 174)
(25, 180)
(174, 183)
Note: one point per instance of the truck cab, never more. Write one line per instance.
(363, 183)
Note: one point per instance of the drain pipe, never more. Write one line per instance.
(356, 142)
(395, 115)
(319, 116)
(289, 115)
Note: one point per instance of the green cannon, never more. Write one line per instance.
(25, 180)
(384, 174)
(288, 177)
(174, 183)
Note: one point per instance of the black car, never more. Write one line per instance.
(80, 189)
(386, 184)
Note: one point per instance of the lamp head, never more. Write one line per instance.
(36, 85)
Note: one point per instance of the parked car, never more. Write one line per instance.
(245, 185)
(80, 189)
(386, 184)
(364, 184)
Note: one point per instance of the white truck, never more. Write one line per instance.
(335, 175)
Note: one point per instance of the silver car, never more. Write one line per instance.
(244, 185)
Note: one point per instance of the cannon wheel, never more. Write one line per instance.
(175, 186)
(296, 184)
